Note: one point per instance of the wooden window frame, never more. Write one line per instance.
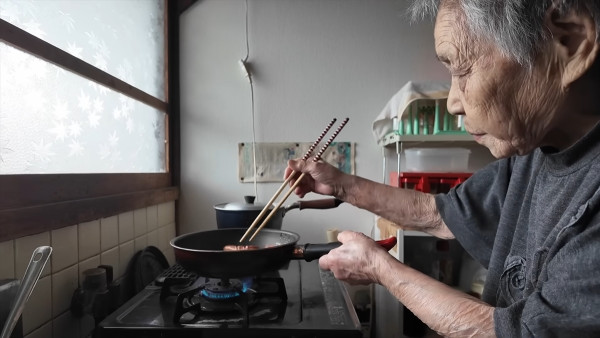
(34, 203)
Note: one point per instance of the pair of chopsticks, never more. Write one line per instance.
(304, 158)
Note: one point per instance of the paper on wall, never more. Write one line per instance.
(272, 158)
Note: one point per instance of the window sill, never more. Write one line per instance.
(24, 221)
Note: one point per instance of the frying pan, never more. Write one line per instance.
(202, 252)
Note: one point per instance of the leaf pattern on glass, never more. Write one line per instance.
(53, 121)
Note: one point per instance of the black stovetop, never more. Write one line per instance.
(317, 305)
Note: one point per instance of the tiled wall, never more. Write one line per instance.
(110, 241)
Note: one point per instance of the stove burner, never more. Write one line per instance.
(223, 289)
(312, 303)
(233, 301)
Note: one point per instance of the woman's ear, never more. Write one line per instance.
(574, 40)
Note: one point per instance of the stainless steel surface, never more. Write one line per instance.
(8, 293)
(32, 274)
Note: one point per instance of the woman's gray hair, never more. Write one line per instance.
(515, 26)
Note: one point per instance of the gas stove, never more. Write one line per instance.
(299, 300)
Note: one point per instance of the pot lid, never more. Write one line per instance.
(248, 205)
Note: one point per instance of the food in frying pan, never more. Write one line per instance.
(233, 247)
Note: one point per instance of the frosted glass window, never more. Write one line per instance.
(124, 38)
(54, 121)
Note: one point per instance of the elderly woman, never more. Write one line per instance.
(526, 78)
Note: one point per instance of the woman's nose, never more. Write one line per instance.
(455, 106)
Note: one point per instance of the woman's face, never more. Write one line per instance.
(506, 107)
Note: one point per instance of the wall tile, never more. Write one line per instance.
(109, 233)
(153, 238)
(24, 247)
(43, 332)
(170, 254)
(111, 257)
(7, 252)
(126, 227)
(89, 239)
(140, 243)
(165, 234)
(89, 263)
(126, 251)
(166, 213)
(64, 284)
(170, 232)
(140, 221)
(65, 325)
(64, 247)
(111, 241)
(152, 217)
(38, 308)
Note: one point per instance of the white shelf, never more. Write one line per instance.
(412, 233)
(393, 138)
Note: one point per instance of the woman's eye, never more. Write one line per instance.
(460, 74)
(460, 71)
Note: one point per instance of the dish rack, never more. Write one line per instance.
(428, 117)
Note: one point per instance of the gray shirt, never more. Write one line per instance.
(534, 222)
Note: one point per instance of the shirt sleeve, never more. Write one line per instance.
(472, 210)
(566, 297)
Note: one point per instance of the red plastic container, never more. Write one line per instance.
(428, 182)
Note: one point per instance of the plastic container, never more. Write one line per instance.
(429, 182)
(437, 159)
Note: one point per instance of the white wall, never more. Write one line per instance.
(313, 60)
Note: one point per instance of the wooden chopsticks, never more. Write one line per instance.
(305, 157)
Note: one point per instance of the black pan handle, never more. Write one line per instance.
(326, 203)
(310, 252)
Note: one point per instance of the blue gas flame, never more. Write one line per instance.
(219, 295)
(246, 283)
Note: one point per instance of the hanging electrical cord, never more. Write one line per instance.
(244, 64)
(247, 43)
(253, 141)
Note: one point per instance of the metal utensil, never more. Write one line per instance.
(38, 260)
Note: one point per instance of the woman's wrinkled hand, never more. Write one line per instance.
(356, 261)
(320, 177)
